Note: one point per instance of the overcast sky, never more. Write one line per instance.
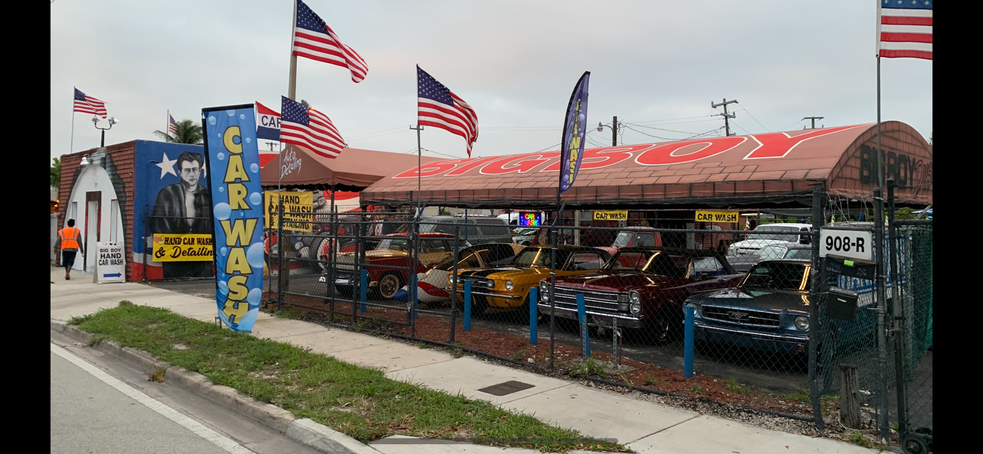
(656, 65)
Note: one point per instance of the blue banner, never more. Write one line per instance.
(237, 206)
(574, 129)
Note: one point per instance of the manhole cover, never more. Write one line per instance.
(508, 387)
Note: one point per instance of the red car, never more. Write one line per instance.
(644, 288)
(636, 236)
(389, 264)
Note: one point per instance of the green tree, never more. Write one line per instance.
(187, 132)
(55, 172)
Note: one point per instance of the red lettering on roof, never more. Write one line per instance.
(519, 164)
(471, 164)
(779, 144)
(597, 158)
(697, 149)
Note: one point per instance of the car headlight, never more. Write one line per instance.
(634, 303)
(544, 291)
(508, 285)
(801, 323)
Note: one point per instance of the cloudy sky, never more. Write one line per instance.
(655, 64)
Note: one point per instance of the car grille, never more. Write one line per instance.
(479, 282)
(742, 317)
(595, 301)
(345, 262)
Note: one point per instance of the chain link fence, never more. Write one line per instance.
(611, 304)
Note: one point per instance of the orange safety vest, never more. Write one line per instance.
(68, 237)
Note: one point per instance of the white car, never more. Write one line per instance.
(768, 234)
(432, 286)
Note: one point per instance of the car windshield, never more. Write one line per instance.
(786, 234)
(395, 244)
(660, 263)
(536, 257)
(777, 276)
(772, 252)
(623, 239)
(799, 254)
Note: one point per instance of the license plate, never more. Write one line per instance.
(342, 282)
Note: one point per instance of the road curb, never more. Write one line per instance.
(304, 430)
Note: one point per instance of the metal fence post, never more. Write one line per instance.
(689, 311)
(616, 339)
(533, 300)
(467, 305)
(818, 219)
(881, 311)
(584, 335)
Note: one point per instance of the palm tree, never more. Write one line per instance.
(55, 172)
(187, 132)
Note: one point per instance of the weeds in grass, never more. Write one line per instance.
(588, 366)
(858, 437)
(457, 352)
(518, 355)
(732, 384)
(650, 380)
(422, 345)
(290, 313)
(696, 389)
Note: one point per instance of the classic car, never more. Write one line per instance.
(635, 236)
(642, 287)
(433, 286)
(388, 265)
(791, 251)
(768, 310)
(507, 287)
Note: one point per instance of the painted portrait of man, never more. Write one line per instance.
(182, 208)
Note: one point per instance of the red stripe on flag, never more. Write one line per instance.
(901, 20)
(905, 37)
(905, 54)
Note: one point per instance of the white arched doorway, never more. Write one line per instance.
(95, 207)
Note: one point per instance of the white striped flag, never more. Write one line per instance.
(313, 39)
(440, 108)
(304, 126)
(171, 124)
(89, 105)
(904, 29)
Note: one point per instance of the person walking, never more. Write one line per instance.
(70, 240)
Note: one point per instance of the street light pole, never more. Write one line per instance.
(95, 122)
(614, 130)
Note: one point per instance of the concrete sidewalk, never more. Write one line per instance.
(645, 427)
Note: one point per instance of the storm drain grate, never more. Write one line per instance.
(508, 387)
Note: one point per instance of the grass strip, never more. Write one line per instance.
(361, 403)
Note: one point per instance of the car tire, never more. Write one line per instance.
(662, 327)
(389, 284)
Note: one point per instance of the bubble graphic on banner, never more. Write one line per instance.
(220, 156)
(256, 198)
(249, 318)
(230, 113)
(222, 211)
(254, 297)
(224, 251)
(254, 255)
(223, 288)
(211, 120)
(580, 117)
(221, 189)
(254, 168)
(249, 140)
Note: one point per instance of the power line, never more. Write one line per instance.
(755, 119)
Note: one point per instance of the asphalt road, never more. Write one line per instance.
(101, 405)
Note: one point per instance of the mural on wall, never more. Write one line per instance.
(182, 206)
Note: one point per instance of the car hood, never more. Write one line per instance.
(615, 282)
(773, 300)
(505, 272)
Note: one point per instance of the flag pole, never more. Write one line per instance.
(71, 143)
(292, 83)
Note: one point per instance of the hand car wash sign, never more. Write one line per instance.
(237, 198)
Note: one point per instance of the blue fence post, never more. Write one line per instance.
(582, 317)
(363, 289)
(467, 305)
(533, 324)
(413, 288)
(690, 311)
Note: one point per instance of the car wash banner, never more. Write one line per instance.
(574, 129)
(237, 206)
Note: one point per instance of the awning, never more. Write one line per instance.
(772, 169)
(353, 170)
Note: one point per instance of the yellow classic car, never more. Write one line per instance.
(507, 287)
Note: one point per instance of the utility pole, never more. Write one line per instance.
(813, 120)
(725, 114)
(614, 131)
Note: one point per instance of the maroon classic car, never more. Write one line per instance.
(643, 287)
(389, 263)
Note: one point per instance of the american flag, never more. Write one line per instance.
(904, 29)
(89, 105)
(300, 125)
(313, 39)
(171, 125)
(440, 108)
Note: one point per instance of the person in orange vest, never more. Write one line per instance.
(71, 243)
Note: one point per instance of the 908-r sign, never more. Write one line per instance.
(846, 243)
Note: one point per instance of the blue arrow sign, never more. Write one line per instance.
(112, 275)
